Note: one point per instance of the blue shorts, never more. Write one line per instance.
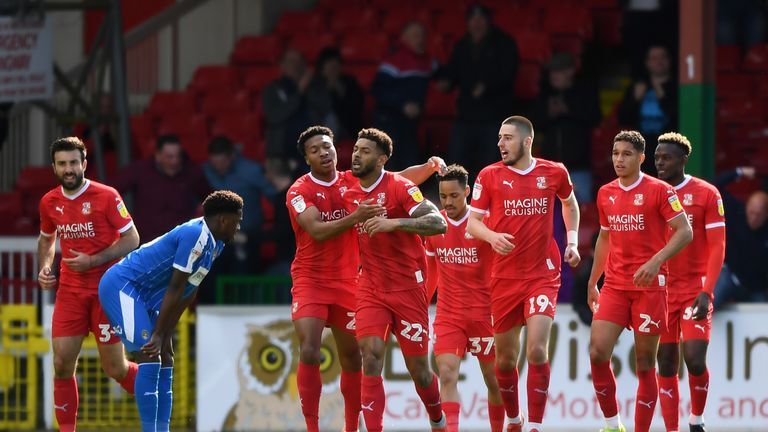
(129, 316)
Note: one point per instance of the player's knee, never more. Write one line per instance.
(598, 354)
(114, 369)
(449, 375)
(537, 354)
(309, 354)
(372, 361)
(423, 377)
(645, 362)
(63, 368)
(697, 365)
(506, 360)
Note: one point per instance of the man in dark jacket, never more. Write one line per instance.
(483, 66)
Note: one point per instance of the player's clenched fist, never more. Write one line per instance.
(46, 278)
(572, 256)
(502, 243)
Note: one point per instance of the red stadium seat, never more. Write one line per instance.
(728, 58)
(311, 44)
(257, 77)
(163, 103)
(442, 6)
(243, 129)
(603, 4)
(364, 74)
(533, 46)
(731, 85)
(756, 59)
(435, 135)
(333, 5)
(293, 23)
(573, 20)
(33, 182)
(607, 24)
(528, 79)
(142, 126)
(220, 103)
(452, 23)
(364, 48)
(440, 46)
(353, 20)
(215, 79)
(396, 19)
(257, 50)
(568, 43)
(184, 125)
(514, 20)
(739, 110)
(439, 104)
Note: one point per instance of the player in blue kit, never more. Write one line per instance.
(146, 292)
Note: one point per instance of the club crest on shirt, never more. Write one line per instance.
(342, 189)
(687, 199)
(638, 200)
(381, 198)
(541, 182)
(145, 334)
(675, 203)
(477, 191)
(467, 235)
(720, 207)
(415, 193)
(298, 204)
(86, 208)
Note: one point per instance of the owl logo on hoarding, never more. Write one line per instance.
(266, 368)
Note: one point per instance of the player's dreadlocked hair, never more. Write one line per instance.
(677, 140)
(309, 133)
(455, 172)
(222, 201)
(632, 137)
(382, 140)
(68, 144)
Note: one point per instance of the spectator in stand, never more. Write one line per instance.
(166, 190)
(741, 22)
(285, 108)
(400, 91)
(334, 98)
(483, 66)
(226, 169)
(567, 109)
(650, 103)
(281, 232)
(745, 276)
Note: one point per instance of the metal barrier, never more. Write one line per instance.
(18, 270)
(253, 290)
(20, 345)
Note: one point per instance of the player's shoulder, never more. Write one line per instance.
(301, 183)
(51, 195)
(650, 181)
(699, 184)
(608, 187)
(102, 190)
(492, 169)
(546, 164)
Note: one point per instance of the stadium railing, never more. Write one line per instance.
(248, 289)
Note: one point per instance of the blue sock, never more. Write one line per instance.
(147, 379)
(164, 399)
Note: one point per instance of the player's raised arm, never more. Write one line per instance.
(310, 220)
(425, 220)
(681, 236)
(418, 174)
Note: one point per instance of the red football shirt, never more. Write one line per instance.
(704, 208)
(462, 267)
(636, 217)
(392, 261)
(521, 203)
(87, 222)
(336, 258)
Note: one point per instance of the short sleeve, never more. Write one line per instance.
(47, 227)
(298, 200)
(669, 204)
(480, 199)
(408, 195)
(714, 211)
(564, 186)
(604, 225)
(189, 248)
(117, 213)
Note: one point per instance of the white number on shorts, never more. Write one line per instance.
(105, 334)
(477, 347)
(688, 313)
(542, 301)
(643, 328)
(417, 328)
(351, 323)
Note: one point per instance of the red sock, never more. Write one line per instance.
(605, 388)
(452, 411)
(310, 386)
(129, 381)
(430, 396)
(65, 401)
(669, 399)
(350, 389)
(496, 416)
(372, 405)
(645, 403)
(508, 388)
(538, 385)
(699, 388)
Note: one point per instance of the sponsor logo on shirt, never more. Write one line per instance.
(86, 208)
(122, 209)
(76, 230)
(638, 200)
(690, 218)
(720, 207)
(688, 199)
(415, 193)
(298, 204)
(60, 209)
(541, 182)
(526, 206)
(321, 195)
(458, 255)
(477, 191)
(675, 203)
(508, 183)
(627, 222)
(613, 199)
(333, 214)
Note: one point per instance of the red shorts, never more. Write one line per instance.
(473, 336)
(643, 311)
(330, 301)
(513, 301)
(75, 313)
(404, 313)
(680, 320)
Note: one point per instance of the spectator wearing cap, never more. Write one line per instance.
(483, 65)
(334, 98)
(227, 169)
(566, 111)
(400, 91)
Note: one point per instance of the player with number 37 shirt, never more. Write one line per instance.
(632, 250)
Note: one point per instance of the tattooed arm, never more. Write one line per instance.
(425, 220)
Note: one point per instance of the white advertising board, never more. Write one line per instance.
(26, 62)
(247, 359)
